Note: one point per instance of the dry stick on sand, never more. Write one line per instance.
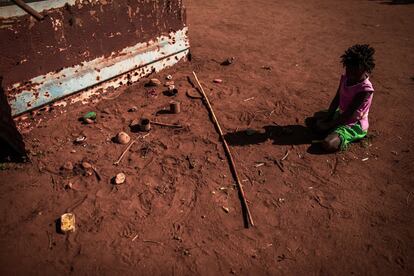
(249, 219)
(166, 125)
(116, 163)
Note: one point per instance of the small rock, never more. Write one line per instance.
(171, 87)
(169, 77)
(86, 165)
(123, 138)
(228, 61)
(227, 210)
(154, 82)
(168, 83)
(119, 178)
(133, 109)
(68, 166)
(218, 80)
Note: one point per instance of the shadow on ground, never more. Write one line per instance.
(281, 135)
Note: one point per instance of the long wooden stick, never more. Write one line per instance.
(227, 149)
(28, 9)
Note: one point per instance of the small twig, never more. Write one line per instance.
(96, 173)
(76, 204)
(116, 163)
(160, 243)
(134, 238)
(166, 125)
(279, 164)
(248, 99)
(49, 237)
(334, 166)
(286, 155)
(408, 197)
(259, 164)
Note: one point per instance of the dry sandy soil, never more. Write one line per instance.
(326, 214)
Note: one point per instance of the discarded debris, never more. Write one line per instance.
(80, 140)
(89, 118)
(259, 165)
(123, 138)
(175, 107)
(119, 179)
(67, 222)
(228, 61)
(364, 159)
(154, 82)
(169, 77)
(218, 80)
(227, 210)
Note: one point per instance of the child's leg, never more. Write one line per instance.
(332, 142)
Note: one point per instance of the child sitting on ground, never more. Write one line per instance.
(347, 118)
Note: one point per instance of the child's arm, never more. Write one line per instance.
(359, 99)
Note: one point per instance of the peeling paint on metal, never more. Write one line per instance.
(141, 59)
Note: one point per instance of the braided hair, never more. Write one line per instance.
(360, 56)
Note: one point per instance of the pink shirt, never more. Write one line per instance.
(347, 94)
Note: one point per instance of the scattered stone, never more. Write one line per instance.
(67, 223)
(171, 87)
(123, 138)
(133, 109)
(68, 166)
(228, 61)
(86, 165)
(154, 82)
(169, 77)
(73, 151)
(218, 80)
(168, 83)
(119, 178)
(267, 68)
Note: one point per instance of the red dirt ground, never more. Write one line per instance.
(325, 215)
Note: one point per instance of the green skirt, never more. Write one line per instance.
(349, 134)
